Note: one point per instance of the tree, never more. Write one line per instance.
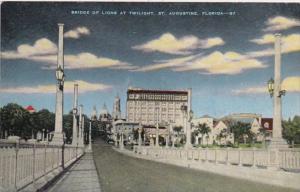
(14, 120)
(240, 130)
(203, 129)
(47, 121)
(68, 126)
(291, 130)
(223, 134)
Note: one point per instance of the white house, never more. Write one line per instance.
(216, 128)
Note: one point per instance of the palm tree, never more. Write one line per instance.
(203, 130)
(240, 131)
(223, 134)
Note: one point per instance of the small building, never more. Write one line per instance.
(127, 128)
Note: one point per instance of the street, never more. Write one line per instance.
(119, 172)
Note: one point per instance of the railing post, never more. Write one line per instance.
(216, 157)
(253, 158)
(273, 158)
(45, 156)
(227, 156)
(16, 165)
(240, 157)
(206, 155)
(34, 162)
(63, 156)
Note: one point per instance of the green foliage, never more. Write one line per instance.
(291, 130)
(203, 129)
(14, 120)
(241, 131)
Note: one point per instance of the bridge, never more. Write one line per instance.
(46, 167)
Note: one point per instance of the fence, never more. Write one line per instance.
(23, 163)
(278, 159)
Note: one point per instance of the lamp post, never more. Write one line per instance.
(274, 88)
(75, 113)
(58, 132)
(90, 138)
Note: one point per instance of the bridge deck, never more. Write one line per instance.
(82, 176)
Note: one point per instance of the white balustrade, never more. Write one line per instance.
(287, 159)
(22, 163)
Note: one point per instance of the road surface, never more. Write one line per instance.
(120, 173)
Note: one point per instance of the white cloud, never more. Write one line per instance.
(281, 23)
(215, 63)
(218, 63)
(68, 88)
(166, 64)
(83, 61)
(290, 84)
(45, 51)
(77, 32)
(42, 46)
(290, 43)
(168, 43)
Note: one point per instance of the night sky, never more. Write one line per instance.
(224, 53)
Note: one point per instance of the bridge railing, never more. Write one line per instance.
(278, 159)
(23, 163)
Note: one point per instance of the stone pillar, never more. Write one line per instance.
(82, 131)
(80, 126)
(157, 135)
(121, 142)
(157, 129)
(58, 137)
(188, 135)
(173, 141)
(167, 140)
(277, 141)
(90, 138)
(196, 140)
(140, 137)
(75, 111)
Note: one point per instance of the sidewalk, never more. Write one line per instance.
(82, 176)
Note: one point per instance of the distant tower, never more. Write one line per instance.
(117, 108)
(104, 114)
(94, 114)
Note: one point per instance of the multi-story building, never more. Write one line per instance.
(149, 107)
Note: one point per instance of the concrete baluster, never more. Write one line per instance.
(240, 157)
(16, 165)
(227, 156)
(34, 163)
(206, 155)
(253, 158)
(216, 157)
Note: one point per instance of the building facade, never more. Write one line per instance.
(117, 109)
(149, 107)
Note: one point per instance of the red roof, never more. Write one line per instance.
(156, 91)
(30, 108)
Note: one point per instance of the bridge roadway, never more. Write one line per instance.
(121, 173)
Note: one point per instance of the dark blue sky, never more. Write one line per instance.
(215, 92)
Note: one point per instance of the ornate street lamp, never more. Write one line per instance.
(60, 76)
